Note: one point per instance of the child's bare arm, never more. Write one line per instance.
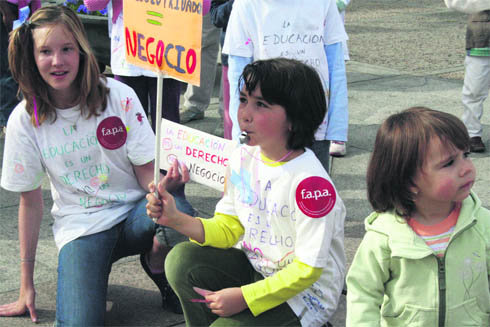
(30, 216)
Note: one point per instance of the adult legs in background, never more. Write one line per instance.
(475, 91)
(227, 123)
(84, 265)
(170, 100)
(321, 151)
(189, 265)
(8, 98)
(338, 108)
(197, 98)
(219, 129)
(345, 48)
(8, 86)
(146, 89)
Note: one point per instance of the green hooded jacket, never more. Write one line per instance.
(397, 280)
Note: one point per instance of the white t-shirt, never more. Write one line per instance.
(293, 29)
(290, 211)
(90, 168)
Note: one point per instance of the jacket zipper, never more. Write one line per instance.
(442, 290)
(441, 264)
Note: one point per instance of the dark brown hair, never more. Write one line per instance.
(400, 148)
(93, 92)
(296, 87)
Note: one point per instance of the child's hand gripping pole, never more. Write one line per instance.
(161, 205)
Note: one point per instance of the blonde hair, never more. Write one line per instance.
(90, 82)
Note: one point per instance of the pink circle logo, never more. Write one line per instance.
(19, 168)
(171, 158)
(167, 143)
(94, 181)
(315, 196)
(112, 133)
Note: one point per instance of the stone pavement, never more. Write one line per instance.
(404, 53)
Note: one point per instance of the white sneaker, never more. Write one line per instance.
(337, 149)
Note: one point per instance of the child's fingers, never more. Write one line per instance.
(153, 211)
(12, 309)
(154, 208)
(185, 172)
(151, 187)
(202, 291)
(32, 312)
(173, 171)
(152, 199)
(162, 186)
(218, 312)
(174, 167)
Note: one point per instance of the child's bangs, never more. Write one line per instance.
(452, 134)
(267, 78)
(250, 80)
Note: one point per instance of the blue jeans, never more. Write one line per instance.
(84, 265)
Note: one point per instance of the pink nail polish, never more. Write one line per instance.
(200, 300)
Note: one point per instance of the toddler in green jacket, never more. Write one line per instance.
(425, 258)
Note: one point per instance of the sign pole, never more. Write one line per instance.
(158, 125)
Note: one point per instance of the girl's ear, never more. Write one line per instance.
(414, 190)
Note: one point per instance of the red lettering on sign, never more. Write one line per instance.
(137, 46)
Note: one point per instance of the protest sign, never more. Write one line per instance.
(204, 154)
(165, 35)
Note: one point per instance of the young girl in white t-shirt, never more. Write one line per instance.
(309, 31)
(273, 253)
(90, 136)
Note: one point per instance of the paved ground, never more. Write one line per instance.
(404, 53)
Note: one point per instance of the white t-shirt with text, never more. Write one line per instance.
(294, 29)
(90, 167)
(290, 211)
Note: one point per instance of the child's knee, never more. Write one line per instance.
(179, 261)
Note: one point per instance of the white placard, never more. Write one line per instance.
(204, 154)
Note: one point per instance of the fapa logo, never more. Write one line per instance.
(315, 196)
(112, 133)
